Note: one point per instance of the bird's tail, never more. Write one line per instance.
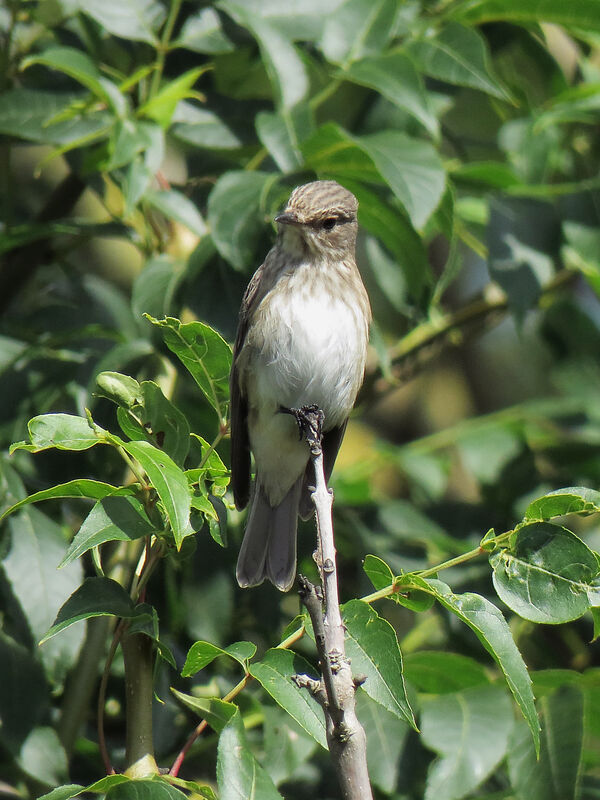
(269, 546)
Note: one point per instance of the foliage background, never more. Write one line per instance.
(145, 150)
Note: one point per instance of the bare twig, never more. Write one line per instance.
(336, 692)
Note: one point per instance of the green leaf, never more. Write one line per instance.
(492, 631)
(76, 64)
(161, 106)
(146, 622)
(556, 774)
(570, 500)
(136, 19)
(372, 647)
(332, 152)
(203, 33)
(239, 775)
(235, 215)
(96, 597)
(63, 792)
(203, 653)
(81, 487)
(204, 353)
(217, 713)
(386, 739)
(121, 519)
(177, 206)
(43, 757)
(154, 288)
(394, 76)
(282, 61)
(408, 272)
(156, 420)
(154, 789)
(74, 789)
(411, 167)
(357, 28)
(547, 574)
(202, 127)
(23, 693)
(121, 389)
(378, 572)
(577, 13)
(470, 731)
(486, 173)
(63, 431)
(282, 131)
(170, 483)
(36, 547)
(458, 55)
(440, 673)
(274, 672)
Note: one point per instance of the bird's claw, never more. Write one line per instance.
(310, 422)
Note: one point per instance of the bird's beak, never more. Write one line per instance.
(287, 218)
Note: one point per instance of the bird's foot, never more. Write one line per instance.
(310, 423)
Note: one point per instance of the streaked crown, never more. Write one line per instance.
(318, 200)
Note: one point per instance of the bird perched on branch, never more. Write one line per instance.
(302, 340)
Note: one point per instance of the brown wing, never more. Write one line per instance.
(332, 441)
(240, 443)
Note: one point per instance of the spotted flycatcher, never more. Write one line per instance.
(301, 341)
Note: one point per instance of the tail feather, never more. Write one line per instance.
(269, 546)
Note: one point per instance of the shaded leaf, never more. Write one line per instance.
(136, 19)
(578, 13)
(177, 206)
(556, 774)
(239, 775)
(357, 28)
(386, 738)
(43, 757)
(203, 33)
(121, 519)
(36, 547)
(96, 597)
(457, 54)
(411, 167)
(234, 215)
(394, 76)
(470, 731)
(492, 631)
(284, 66)
(440, 673)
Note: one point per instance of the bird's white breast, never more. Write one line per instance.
(313, 349)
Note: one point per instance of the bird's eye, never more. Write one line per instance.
(329, 223)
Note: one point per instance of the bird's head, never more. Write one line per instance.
(319, 219)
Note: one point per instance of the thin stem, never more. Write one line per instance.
(163, 47)
(212, 447)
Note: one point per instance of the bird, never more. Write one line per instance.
(302, 340)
